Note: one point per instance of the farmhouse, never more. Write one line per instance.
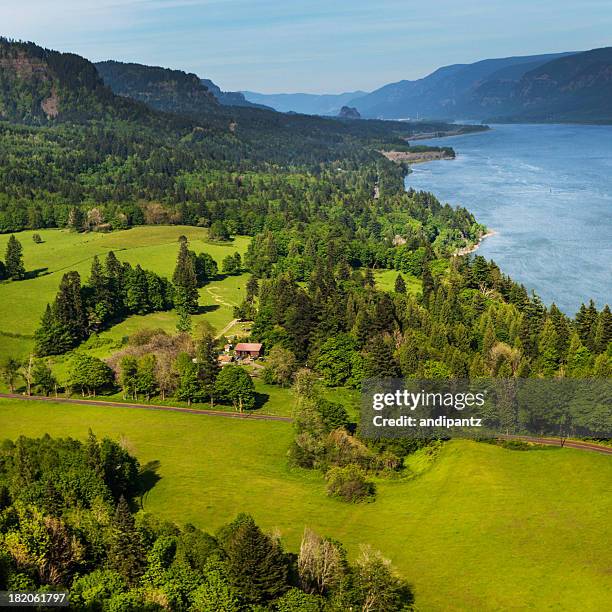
(248, 349)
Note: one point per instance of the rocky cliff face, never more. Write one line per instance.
(349, 112)
(39, 86)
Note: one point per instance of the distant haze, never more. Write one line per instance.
(307, 46)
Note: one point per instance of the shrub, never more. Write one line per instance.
(349, 484)
(37, 238)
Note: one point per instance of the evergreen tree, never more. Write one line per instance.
(400, 285)
(68, 308)
(208, 365)
(252, 288)
(137, 301)
(579, 358)
(256, 563)
(184, 321)
(603, 330)
(14, 259)
(548, 342)
(586, 323)
(114, 276)
(185, 283)
(379, 359)
(428, 282)
(126, 553)
(100, 309)
(52, 337)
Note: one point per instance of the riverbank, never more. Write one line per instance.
(417, 157)
(470, 249)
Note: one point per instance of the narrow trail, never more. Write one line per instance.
(134, 406)
(588, 446)
(217, 297)
(226, 328)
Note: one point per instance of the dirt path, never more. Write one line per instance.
(588, 446)
(93, 402)
(217, 297)
(226, 328)
(576, 444)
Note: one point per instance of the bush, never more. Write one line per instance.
(349, 484)
(37, 238)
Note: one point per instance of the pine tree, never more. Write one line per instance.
(68, 308)
(400, 285)
(579, 358)
(52, 337)
(114, 278)
(126, 553)
(586, 323)
(547, 345)
(185, 283)
(100, 307)
(208, 365)
(428, 282)
(256, 563)
(136, 291)
(380, 361)
(14, 259)
(603, 330)
(184, 321)
(252, 288)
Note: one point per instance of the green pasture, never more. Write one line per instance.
(482, 528)
(153, 247)
(385, 280)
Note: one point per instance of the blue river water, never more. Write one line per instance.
(546, 190)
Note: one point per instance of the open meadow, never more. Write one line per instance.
(153, 247)
(480, 528)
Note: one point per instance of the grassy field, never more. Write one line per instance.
(154, 247)
(483, 528)
(385, 280)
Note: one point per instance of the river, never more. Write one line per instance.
(546, 190)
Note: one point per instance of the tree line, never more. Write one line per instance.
(69, 520)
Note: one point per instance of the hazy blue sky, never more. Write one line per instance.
(315, 46)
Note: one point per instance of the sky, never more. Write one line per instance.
(316, 46)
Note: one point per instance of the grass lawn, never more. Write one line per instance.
(153, 247)
(483, 528)
(385, 281)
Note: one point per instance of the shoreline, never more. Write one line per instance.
(471, 249)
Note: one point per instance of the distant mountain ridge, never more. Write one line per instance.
(308, 104)
(470, 91)
(573, 88)
(570, 86)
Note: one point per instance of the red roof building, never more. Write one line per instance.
(248, 349)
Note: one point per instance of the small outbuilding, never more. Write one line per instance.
(248, 349)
